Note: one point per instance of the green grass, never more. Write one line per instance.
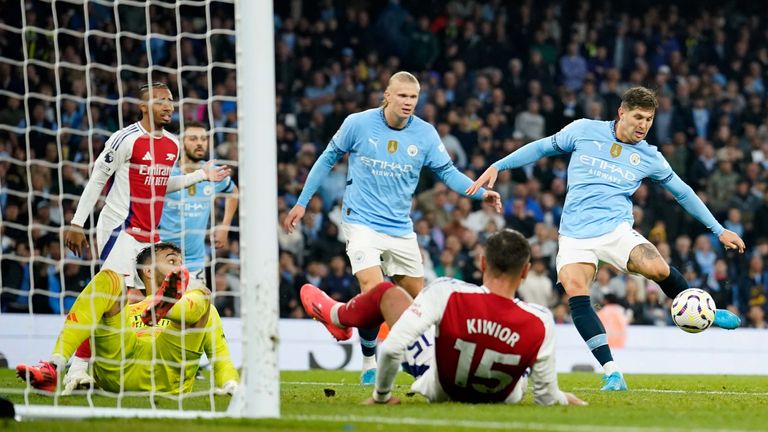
(655, 402)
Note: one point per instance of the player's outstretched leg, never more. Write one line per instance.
(675, 283)
(319, 306)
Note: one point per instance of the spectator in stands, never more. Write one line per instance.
(537, 287)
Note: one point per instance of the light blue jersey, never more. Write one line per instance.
(602, 176)
(384, 167)
(186, 215)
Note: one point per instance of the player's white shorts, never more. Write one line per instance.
(117, 251)
(612, 248)
(396, 255)
(420, 362)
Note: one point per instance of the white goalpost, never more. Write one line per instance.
(251, 25)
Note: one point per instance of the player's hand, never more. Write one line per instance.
(75, 240)
(229, 388)
(220, 237)
(391, 401)
(573, 400)
(216, 173)
(731, 240)
(295, 215)
(487, 179)
(166, 296)
(493, 198)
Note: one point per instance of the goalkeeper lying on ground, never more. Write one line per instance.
(132, 354)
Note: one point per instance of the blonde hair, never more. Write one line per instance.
(401, 76)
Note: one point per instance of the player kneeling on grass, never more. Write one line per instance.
(461, 342)
(153, 345)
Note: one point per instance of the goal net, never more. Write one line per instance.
(70, 78)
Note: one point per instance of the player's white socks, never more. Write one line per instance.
(369, 362)
(611, 367)
(335, 315)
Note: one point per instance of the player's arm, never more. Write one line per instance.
(340, 144)
(544, 374)
(209, 172)
(424, 312)
(109, 161)
(696, 208)
(230, 207)
(558, 144)
(440, 163)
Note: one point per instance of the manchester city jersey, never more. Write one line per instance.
(602, 176)
(384, 168)
(186, 216)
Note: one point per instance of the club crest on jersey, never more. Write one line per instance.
(634, 159)
(616, 150)
(392, 146)
(208, 190)
(412, 150)
(359, 257)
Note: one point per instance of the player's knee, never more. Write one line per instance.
(395, 299)
(658, 272)
(368, 281)
(575, 286)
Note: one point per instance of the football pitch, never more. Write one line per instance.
(330, 401)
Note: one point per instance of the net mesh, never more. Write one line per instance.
(69, 78)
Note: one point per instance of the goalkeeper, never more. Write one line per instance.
(153, 345)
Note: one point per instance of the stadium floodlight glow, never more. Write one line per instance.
(258, 394)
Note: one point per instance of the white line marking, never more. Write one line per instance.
(511, 425)
(702, 392)
(581, 389)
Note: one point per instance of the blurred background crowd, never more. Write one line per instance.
(494, 76)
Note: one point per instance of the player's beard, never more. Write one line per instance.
(192, 158)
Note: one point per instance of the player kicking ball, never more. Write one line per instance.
(609, 160)
(154, 345)
(461, 342)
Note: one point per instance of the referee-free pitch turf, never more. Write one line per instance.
(330, 401)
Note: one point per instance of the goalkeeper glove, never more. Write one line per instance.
(166, 296)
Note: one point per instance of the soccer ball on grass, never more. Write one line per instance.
(693, 310)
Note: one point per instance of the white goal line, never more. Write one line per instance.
(494, 425)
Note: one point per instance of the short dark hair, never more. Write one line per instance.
(639, 97)
(145, 89)
(507, 252)
(145, 256)
(193, 124)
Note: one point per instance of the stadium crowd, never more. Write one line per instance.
(494, 76)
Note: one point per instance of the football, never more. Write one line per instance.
(693, 310)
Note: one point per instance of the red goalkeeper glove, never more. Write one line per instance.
(165, 297)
